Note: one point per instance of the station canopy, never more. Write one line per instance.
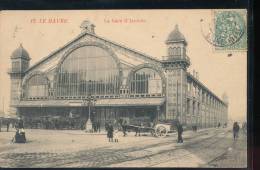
(100, 102)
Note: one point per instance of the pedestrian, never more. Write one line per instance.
(110, 132)
(116, 134)
(235, 130)
(106, 126)
(244, 127)
(124, 126)
(179, 131)
(20, 124)
(219, 125)
(7, 126)
(138, 130)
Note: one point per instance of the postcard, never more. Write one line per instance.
(123, 88)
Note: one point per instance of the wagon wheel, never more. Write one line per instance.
(161, 131)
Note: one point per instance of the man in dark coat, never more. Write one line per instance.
(7, 126)
(124, 125)
(235, 130)
(138, 129)
(110, 131)
(179, 131)
(20, 124)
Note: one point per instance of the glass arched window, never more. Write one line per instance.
(88, 70)
(37, 86)
(146, 81)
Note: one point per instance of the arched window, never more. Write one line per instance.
(170, 51)
(174, 51)
(37, 86)
(146, 81)
(88, 70)
(178, 51)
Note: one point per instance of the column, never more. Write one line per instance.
(190, 112)
(158, 113)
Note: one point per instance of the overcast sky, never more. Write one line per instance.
(217, 71)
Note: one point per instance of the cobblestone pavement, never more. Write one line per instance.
(235, 156)
(47, 148)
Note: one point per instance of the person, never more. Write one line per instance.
(235, 130)
(179, 131)
(94, 127)
(98, 126)
(0, 125)
(218, 124)
(244, 127)
(138, 129)
(19, 136)
(116, 133)
(106, 126)
(20, 124)
(124, 125)
(7, 126)
(110, 131)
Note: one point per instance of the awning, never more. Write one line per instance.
(100, 102)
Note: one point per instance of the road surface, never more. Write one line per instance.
(61, 148)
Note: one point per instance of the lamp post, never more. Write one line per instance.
(89, 101)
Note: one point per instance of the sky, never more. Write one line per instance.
(146, 33)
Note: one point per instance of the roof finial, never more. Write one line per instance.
(176, 27)
(21, 45)
(87, 26)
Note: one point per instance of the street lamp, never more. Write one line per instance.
(89, 101)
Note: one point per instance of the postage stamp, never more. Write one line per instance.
(230, 30)
(226, 30)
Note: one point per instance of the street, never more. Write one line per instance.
(72, 148)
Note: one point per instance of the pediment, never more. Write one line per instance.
(128, 58)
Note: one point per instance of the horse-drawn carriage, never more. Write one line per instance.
(158, 129)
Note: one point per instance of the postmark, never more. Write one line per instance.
(227, 30)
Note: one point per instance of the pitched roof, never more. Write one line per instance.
(96, 36)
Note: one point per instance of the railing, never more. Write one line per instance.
(175, 58)
(96, 96)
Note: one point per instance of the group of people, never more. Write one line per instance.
(112, 133)
(96, 126)
(58, 123)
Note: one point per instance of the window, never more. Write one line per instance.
(37, 86)
(178, 51)
(146, 80)
(88, 70)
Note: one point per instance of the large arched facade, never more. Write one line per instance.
(35, 86)
(88, 69)
(147, 79)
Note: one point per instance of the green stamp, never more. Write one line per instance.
(230, 30)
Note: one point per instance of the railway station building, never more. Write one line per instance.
(119, 81)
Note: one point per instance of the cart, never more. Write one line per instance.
(160, 129)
